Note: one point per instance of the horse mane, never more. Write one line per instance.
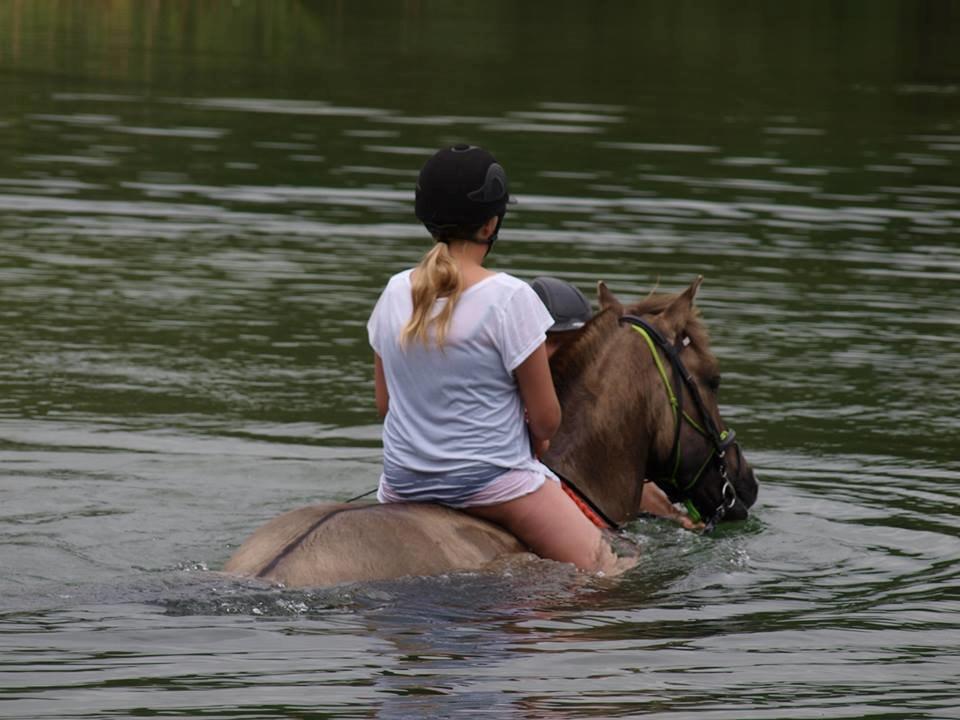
(574, 356)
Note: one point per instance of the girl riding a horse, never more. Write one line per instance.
(462, 379)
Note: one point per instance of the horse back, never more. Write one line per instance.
(334, 543)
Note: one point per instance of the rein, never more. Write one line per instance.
(721, 440)
(590, 509)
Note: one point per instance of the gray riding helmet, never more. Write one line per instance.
(567, 306)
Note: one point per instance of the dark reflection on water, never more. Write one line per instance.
(199, 203)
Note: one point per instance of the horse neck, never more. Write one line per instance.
(605, 383)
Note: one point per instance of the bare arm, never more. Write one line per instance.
(380, 387)
(540, 398)
(655, 501)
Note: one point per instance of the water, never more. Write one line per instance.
(200, 203)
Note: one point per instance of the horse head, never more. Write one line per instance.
(641, 384)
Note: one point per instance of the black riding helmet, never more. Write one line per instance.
(567, 306)
(458, 190)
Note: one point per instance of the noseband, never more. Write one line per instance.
(720, 440)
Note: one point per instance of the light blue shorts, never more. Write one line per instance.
(484, 488)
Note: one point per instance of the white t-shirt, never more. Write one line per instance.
(459, 407)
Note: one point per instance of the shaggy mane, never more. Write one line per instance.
(574, 356)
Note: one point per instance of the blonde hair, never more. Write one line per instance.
(437, 276)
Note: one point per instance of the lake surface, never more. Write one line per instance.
(199, 204)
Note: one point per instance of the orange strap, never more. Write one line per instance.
(584, 508)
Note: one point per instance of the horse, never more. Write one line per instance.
(623, 381)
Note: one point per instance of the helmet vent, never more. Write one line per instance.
(494, 185)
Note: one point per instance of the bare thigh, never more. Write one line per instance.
(551, 525)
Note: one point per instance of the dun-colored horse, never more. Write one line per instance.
(638, 387)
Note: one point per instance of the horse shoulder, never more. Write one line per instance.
(329, 544)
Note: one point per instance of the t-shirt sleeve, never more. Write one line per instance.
(524, 323)
(374, 325)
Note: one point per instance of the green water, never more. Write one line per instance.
(199, 204)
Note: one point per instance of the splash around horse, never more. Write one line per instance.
(638, 387)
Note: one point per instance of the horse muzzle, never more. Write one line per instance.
(744, 487)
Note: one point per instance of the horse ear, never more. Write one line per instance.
(608, 299)
(675, 315)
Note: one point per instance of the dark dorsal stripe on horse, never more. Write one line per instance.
(298, 541)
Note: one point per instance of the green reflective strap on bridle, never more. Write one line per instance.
(663, 373)
(678, 412)
(666, 381)
(688, 503)
(695, 425)
(674, 403)
(696, 478)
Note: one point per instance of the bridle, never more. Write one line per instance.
(720, 440)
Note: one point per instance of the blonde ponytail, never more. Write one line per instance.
(437, 276)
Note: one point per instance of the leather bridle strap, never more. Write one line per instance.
(721, 440)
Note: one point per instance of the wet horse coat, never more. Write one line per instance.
(334, 543)
(614, 433)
